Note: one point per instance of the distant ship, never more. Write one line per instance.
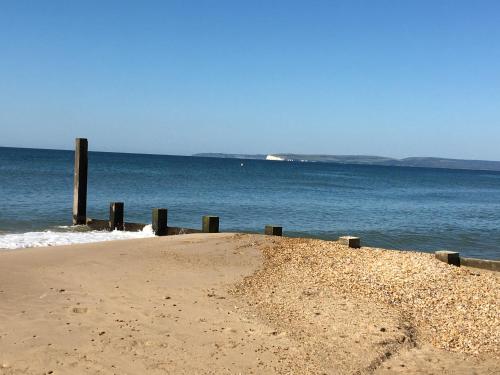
(272, 157)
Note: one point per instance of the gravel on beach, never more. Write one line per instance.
(451, 308)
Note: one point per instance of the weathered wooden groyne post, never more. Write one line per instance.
(350, 241)
(273, 230)
(450, 257)
(116, 216)
(159, 221)
(210, 224)
(80, 182)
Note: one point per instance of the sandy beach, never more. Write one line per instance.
(238, 303)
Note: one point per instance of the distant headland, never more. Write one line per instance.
(422, 162)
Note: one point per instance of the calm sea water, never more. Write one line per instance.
(392, 207)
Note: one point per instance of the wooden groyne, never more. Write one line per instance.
(209, 224)
(116, 221)
(454, 258)
(97, 224)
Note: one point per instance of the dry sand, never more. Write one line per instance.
(229, 304)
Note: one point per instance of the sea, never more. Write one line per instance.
(424, 209)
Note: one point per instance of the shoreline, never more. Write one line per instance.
(215, 303)
(97, 228)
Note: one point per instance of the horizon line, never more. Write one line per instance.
(197, 154)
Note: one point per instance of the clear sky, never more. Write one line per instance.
(394, 78)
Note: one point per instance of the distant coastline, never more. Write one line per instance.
(418, 162)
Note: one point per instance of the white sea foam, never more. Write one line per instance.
(57, 238)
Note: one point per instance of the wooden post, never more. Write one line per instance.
(354, 242)
(116, 216)
(450, 257)
(159, 220)
(80, 182)
(210, 224)
(272, 230)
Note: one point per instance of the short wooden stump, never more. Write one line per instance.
(116, 216)
(273, 230)
(210, 224)
(354, 242)
(159, 221)
(449, 257)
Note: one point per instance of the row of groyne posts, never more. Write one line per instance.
(210, 224)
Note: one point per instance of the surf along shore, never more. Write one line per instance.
(240, 303)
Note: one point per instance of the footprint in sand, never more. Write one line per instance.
(80, 310)
(228, 330)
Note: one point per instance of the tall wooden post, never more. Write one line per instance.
(80, 182)
(116, 216)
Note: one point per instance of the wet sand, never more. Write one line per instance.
(231, 303)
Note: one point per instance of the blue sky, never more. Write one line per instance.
(393, 78)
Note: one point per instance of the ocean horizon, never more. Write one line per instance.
(406, 208)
